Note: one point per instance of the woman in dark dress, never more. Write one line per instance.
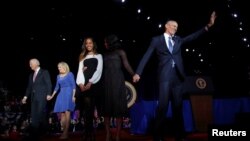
(114, 84)
(89, 74)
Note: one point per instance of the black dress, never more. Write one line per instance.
(91, 73)
(91, 65)
(114, 83)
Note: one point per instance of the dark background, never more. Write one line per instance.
(53, 32)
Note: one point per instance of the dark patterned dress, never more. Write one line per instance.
(114, 83)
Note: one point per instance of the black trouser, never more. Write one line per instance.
(39, 122)
(170, 90)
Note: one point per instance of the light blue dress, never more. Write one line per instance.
(64, 87)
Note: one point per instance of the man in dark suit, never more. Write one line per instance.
(171, 74)
(38, 89)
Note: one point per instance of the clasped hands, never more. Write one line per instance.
(85, 87)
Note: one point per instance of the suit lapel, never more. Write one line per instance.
(163, 42)
(38, 75)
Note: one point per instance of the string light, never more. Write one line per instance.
(236, 17)
(139, 11)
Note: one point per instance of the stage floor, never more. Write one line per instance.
(125, 136)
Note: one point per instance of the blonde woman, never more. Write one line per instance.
(65, 101)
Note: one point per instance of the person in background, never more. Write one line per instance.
(38, 89)
(171, 74)
(65, 100)
(88, 75)
(115, 104)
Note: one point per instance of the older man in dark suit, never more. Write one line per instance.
(171, 73)
(39, 87)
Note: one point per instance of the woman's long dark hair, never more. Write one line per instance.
(112, 42)
(84, 51)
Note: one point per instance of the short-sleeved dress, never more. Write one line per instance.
(114, 83)
(65, 86)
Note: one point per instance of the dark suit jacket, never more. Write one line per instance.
(41, 87)
(159, 45)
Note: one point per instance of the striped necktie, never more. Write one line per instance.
(170, 47)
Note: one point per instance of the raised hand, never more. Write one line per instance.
(212, 19)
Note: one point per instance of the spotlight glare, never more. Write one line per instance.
(139, 11)
(244, 39)
(235, 15)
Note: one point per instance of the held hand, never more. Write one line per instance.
(136, 78)
(49, 97)
(73, 99)
(24, 100)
